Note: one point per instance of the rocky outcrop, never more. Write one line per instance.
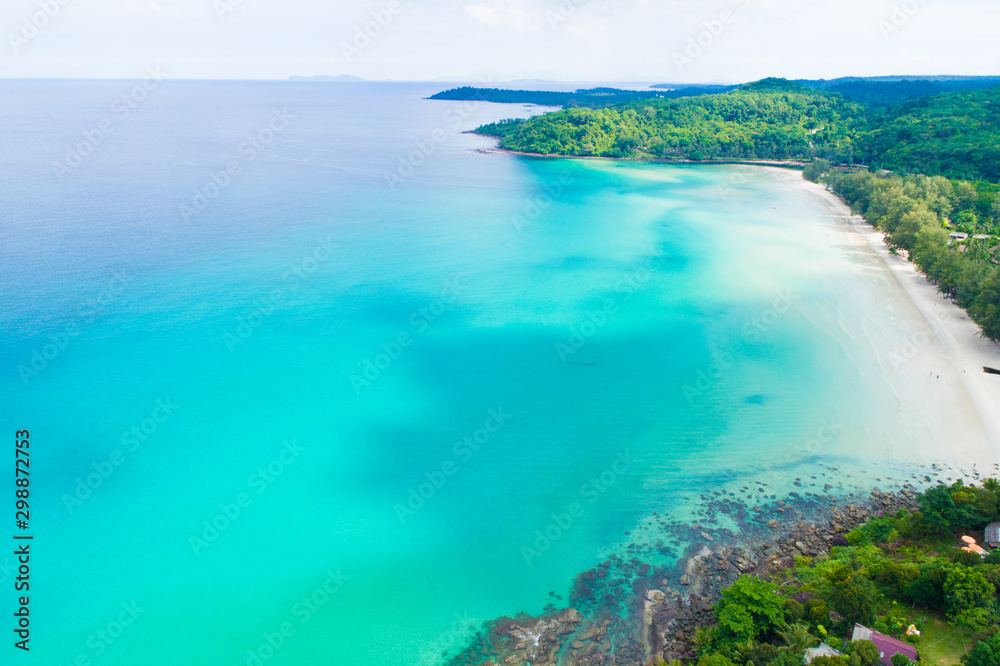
(627, 612)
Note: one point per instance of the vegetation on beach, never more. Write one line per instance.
(917, 214)
(896, 571)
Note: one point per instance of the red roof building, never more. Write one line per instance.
(887, 645)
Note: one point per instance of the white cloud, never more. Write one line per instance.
(595, 40)
(503, 15)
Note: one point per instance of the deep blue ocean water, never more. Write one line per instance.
(307, 375)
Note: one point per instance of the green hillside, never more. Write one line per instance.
(769, 119)
(955, 135)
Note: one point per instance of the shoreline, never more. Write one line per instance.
(641, 602)
(959, 338)
(795, 165)
(626, 611)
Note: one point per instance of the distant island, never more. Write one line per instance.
(594, 98)
(871, 91)
(886, 90)
(325, 78)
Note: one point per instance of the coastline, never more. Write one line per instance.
(654, 590)
(959, 340)
(959, 343)
(795, 165)
(625, 611)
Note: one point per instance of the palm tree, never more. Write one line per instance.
(743, 652)
(991, 484)
(798, 638)
(702, 638)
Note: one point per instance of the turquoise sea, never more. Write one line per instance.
(311, 379)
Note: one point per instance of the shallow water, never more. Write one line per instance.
(351, 393)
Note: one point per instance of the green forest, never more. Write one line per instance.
(954, 134)
(770, 119)
(884, 91)
(896, 571)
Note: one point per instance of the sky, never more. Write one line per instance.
(499, 40)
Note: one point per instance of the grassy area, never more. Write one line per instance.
(941, 642)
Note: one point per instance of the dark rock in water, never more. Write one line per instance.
(617, 603)
(540, 638)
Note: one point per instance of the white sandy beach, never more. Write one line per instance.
(955, 356)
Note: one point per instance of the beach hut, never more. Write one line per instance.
(888, 647)
(992, 537)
